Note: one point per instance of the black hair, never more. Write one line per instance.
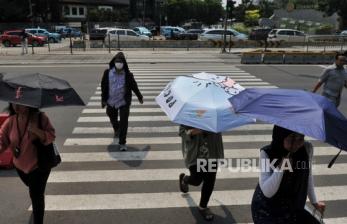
(11, 111)
(338, 54)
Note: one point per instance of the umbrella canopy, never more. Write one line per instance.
(39, 91)
(300, 111)
(201, 101)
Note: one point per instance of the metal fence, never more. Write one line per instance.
(78, 45)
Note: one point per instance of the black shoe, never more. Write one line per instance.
(183, 185)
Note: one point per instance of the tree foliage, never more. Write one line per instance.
(206, 11)
(13, 11)
(104, 15)
(332, 6)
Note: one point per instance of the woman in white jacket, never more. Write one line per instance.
(284, 185)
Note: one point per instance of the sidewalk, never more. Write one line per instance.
(133, 56)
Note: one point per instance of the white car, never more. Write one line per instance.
(218, 35)
(124, 35)
(286, 35)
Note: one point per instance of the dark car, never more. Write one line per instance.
(197, 31)
(13, 37)
(97, 34)
(259, 33)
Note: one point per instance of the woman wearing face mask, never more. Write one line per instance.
(18, 133)
(280, 196)
(117, 85)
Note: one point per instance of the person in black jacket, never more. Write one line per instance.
(116, 93)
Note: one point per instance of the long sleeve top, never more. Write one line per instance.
(270, 181)
(9, 139)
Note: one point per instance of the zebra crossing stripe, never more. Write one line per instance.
(161, 88)
(134, 103)
(131, 118)
(162, 129)
(146, 77)
(169, 155)
(244, 84)
(169, 79)
(166, 140)
(166, 200)
(246, 171)
(133, 110)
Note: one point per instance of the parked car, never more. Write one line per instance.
(143, 31)
(218, 35)
(259, 33)
(97, 34)
(13, 37)
(343, 33)
(70, 32)
(197, 31)
(289, 35)
(125, 35)
(52, 37)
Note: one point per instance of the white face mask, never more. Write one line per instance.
(119, 65)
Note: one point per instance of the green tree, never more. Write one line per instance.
(252, 17)
(266, 8)
(206, 11)
(103, 15)
(14, 11)
(332, 6)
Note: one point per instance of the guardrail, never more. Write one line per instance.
(317, 43)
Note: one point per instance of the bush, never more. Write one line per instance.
(324, 29)
(240, 27)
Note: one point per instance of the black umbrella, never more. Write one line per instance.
(39, 91)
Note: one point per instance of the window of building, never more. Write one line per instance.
(81, 11)
(66, 10)
(74, 11)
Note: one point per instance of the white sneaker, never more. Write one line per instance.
(123, 147)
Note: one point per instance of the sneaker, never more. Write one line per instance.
(183, 185)
(123, 147)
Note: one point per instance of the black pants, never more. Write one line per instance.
(207, 178)
(120, 128)
(36, 181)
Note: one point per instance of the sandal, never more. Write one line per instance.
(183, 186)
(206, 214)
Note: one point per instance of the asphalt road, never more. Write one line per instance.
(97, 184)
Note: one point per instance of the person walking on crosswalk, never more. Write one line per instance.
(116, 93)
(334, 79)
(281, 193)
(18, 133)
(197, 146)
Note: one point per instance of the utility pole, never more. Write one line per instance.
(228, 14)
(31, 13)
(144, 12)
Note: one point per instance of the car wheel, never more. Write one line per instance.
(6, 43)
(51, 40)
(35, 43)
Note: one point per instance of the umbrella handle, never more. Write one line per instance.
(334, 159)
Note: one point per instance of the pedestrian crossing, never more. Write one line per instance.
(96, 183)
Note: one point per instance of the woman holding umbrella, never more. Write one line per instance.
(18, 133)
(281, 193)
(117, 85)
(200, 145)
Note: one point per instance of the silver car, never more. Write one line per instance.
(218, 35)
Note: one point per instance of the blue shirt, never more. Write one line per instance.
(116, 88)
